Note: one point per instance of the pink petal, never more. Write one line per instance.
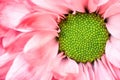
(101, 72)
(79, 5)
(104, 7)
(19, 43)
(39, 21)
(112, 54)
(90, 71)
(115, 43)
(2, 50)
(12, 19)
(3, 30)
(113, 25)
(5, 63)
(39, 39)
(93, 4)
(65, 68)
(9, 37)
(59, 6)
(112, 10)
(115, 71)
(108, 66)
(35, 65)
(83, 72)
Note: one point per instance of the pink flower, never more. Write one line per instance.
(28, 46)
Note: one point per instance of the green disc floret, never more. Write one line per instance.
(83, 36)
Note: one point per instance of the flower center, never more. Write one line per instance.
(83, 36)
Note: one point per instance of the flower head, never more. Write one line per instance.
(59, 40)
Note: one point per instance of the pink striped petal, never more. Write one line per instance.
(12, 19)
(65, 68)
(93, 4)
(112, 10)
(3, 30)
(9, 37)
(86, 72)
(108, 66)
(115, 71)
(79, 5)
(59, 6)
(83, 72)
(101, 72)
(112, 54)
(35, 65)
(113, 25)
(40, 39)
(6, 60)
(19, 43)
(39, 21)
(104, 7)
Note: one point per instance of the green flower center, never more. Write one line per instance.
(83, 36)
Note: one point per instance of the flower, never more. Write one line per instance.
(29, 49)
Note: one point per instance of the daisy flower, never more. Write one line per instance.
(59, 40)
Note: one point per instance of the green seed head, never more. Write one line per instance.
(83, 36)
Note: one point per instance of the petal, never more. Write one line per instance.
(39, 39)
(112, 10)
(64, 68)
(3, 30)
(112, 54)
(115, 43)
(34, 65)
(12, 19)
(39, 21)
(59, 6)
(19, 43)
(113, 25)
(5, 63)
(90, 71)
(9, 37)
(79, 5)
(93, 4)
(101, 72)
(83, 72)
(104, 7)
(115, 71)
(108, 66)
